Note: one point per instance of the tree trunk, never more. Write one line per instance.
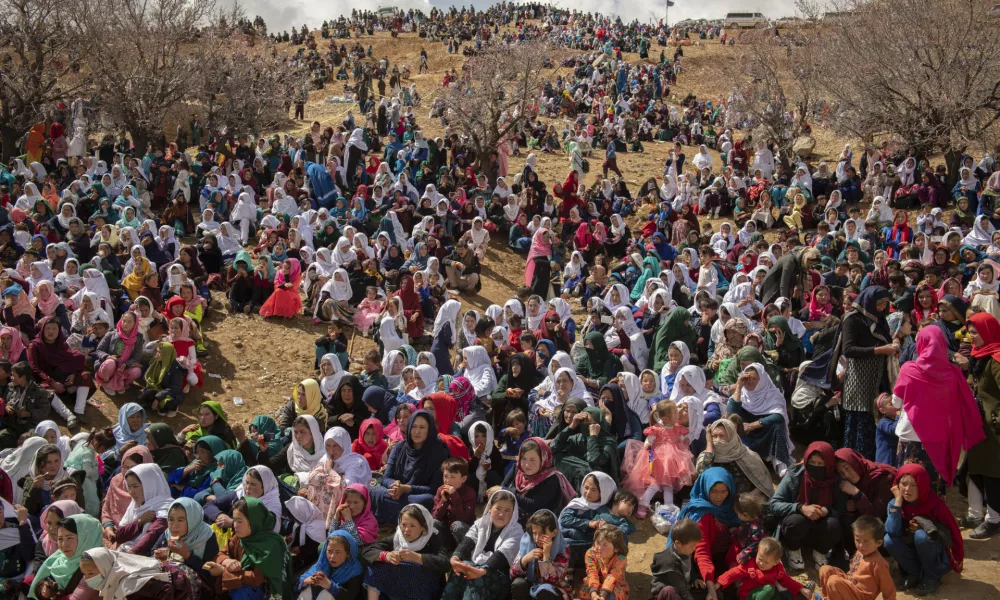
(486, 167)
(953, 160)
(140, 140)
(8, 145)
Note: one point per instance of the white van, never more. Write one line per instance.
(742, 19)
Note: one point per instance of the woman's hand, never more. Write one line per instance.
(214, 568)
(147, 517)
(474, 572)
(321, 580)
(346, 419)
(232, 565)
(110, 535)
(897, 494)
(224, 522)
(197, 465)
(179, 547)
(848, 488)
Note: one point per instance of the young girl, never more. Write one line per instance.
(180, 338)
(664, 461)
(578, 520)
(573, 274)
(337, 574)
(606, 563)
(541, 569)
(285, 301)
(708, 277)
(368, 311)
(165, 380)
(255, 557)
(410, 564)
(354, 515)
(371, 443)
(481, 564)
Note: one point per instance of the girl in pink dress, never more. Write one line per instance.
(663, 463)
(369, 310)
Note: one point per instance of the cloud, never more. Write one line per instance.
(281, 15)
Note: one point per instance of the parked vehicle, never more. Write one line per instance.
(745, 19)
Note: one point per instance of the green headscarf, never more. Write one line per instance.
(729, 369)
(266, 425)
(201, 431)
(158, 368)
(675, 328)
(61, 567)
(266, 551)
(244, 257)
(597, 362)
(652, 269)
(792, 346)
(215, 445)
(232, 471)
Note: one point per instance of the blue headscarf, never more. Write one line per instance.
(123, 433)
(531, 571)
(342, 574)
(663, 247)
(321, 184)
(381, 401)
(552, 350)
(700, 505)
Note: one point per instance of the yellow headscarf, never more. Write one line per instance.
(314, 406)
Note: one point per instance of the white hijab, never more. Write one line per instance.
(301, 461)
(155, 491)
(479, 370)
(270, 499)
(352, 467)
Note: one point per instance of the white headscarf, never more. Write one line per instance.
(479, 370)
(328, 385)
(766, 399)
(448, 313)
(270, 499)
(301, 461)
(155, 491)
(507, 543)
(399, 542)
(352, 467)
(18, 463)
(62, 442)
(480, 471)
(981, 234)
(604, 482)
(124, 574)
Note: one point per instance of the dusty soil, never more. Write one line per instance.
(260, 361)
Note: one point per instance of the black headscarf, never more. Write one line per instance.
(528, 378)
(420, 465)
(337, 406)
(542, 277)
(621, 424)
(865, 305)
(382, 401)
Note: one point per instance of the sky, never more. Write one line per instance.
(282, 14)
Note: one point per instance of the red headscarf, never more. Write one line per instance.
(818, 491)
(817, 312)
(931, 506)
(523, 483)
(544, 332)
(919, 314)
(989, 329)
(445, 412)
(583, 237)
(411, 306)
(373, 454)
(869, 471)
(939, 403)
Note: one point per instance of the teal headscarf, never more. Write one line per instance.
(232, 471)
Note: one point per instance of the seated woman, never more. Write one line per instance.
(259, 483)
(481, 562)
(337, 574)
(867, 485)
(535, 482)
(922, 558)
(809, 503)
(48, 541)
(164, 381)
(578, 521)
(58, 368)
(197, 476)
(256, 562)
(413, 472)
(761, 405)
(725, 450)
(211, 421)
(188, 541)
(60, 576)
(586, 445)
(299, 457)
(128, 577)
(413, 562)
(145, 519)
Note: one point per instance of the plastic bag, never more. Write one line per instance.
(664, 517)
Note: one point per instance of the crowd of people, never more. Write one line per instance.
(824, 389)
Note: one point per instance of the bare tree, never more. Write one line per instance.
(773, 86)
(491, 98)
(921, 72)
(36, 60)
(145, 58)
(247, 88)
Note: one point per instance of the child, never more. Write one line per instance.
(623, 505)
(759, 578)
(886, 442)
(184, 348)
(372, 375)
(573, 274)
(512, 438)
(455, 502)
(334, 342)
(869, 573)
(663, 463)
(164, 381)
(708, 277)
(578, 520)
(749, 508)
(542, 563)
(672, 569)
(371, 443)
(606, 563)
(480, 573)
(27, 404)
(368, 311)
(337, 573)
(264, 565)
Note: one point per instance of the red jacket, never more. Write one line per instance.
(715, 539)
(460, 506)
(751, 578)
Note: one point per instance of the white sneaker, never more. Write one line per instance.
(795, 560)
(819, 559)
(108, 392)
(780, 468)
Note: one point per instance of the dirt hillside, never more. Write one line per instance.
(260, 361)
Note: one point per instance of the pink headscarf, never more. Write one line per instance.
(68, 508)
(16, 345)
(939, 403)
(365, 523)
(294, 269)
(463, 392)
(128, 339)
(47, 306)
(540, 246)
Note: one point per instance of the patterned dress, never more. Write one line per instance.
(605, 576)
